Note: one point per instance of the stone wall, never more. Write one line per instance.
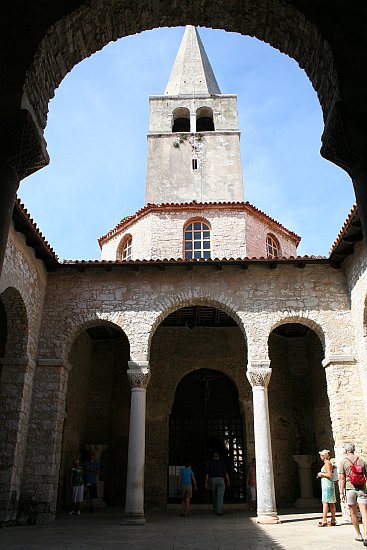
(170, 173)
(355, 268)
(236, 232)
(23, 272)
(22, 290)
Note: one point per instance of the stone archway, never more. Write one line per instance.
(298, 406)
(193, 339)
(97, 409)
(206, 418)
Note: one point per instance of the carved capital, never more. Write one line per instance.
(138, 378)
(21, 143)
(259, 377)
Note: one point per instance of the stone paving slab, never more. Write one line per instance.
(168, 531)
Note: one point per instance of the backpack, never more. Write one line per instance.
(356, 476)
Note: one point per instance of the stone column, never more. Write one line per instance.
(15, 398)
(139, 375)
(259, 375)
(307, 499)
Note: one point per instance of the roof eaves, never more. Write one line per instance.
(125, 222)
(34, 238)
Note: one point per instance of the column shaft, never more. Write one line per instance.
(139, 375)
(266, 507)
(134, 505)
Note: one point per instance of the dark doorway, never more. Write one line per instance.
(206, 417)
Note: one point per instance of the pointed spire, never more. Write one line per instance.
(192, 73)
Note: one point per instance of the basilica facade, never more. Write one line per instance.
(199, 330)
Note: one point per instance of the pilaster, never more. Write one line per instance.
(39, 490)
(15, 397)
(345, 394)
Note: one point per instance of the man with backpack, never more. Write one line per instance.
(353, 477)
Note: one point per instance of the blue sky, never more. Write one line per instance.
(96, 135)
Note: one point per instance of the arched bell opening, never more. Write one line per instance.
(299, 409)
(204, 120)
(181, 120)
(97, 410)
(198, 401)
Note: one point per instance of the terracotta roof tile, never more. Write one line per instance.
(37, 239)
(125, 222)
(173, 261)
(346, 224)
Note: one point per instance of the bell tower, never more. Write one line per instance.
(193, 138)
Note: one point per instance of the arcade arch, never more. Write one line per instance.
(98, 408)
(284, 27)
(191, 342)
(298, 405)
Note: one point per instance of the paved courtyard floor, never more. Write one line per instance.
(168, 531)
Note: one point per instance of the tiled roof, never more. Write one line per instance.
(242, 262)
(343, 230)
(350, 233)
(26, 225)
(125, 222)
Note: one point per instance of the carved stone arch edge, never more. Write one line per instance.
(72, 328)
(179, 302)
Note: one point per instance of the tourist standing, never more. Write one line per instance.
(328, 497)
(186, 481)
(352, 492)
(216, 480)
(91, 469)
(76, 479)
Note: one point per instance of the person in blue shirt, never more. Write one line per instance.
(186, 481)
(91, 471)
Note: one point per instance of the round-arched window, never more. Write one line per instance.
(124, 251)
(272, 247)
(197, 240)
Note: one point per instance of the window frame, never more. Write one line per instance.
(273, 245)
(125, 245)
(205, 227)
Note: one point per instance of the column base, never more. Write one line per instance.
(267, 519)
(133, 519)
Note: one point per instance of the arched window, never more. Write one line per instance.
(197, 240)
(124, 251)
(272, 247)
(204, 120)
(181, 120)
